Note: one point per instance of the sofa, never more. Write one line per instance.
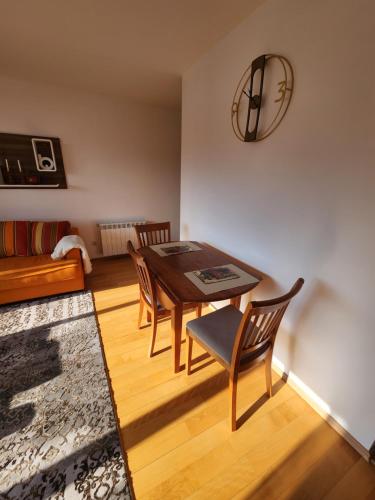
(27, 270)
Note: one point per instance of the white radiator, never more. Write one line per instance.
(115, 235)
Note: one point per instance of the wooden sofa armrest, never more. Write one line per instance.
(74, 253)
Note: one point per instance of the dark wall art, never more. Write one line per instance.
(31, 161)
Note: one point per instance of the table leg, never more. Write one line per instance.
(236, 301)
(176, 317)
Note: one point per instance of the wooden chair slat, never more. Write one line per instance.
(153, 234)
(257, 332)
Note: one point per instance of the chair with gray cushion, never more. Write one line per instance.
(238, 341)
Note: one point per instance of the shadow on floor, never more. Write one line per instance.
(258, 403)
(111, 272)
(316, 469)
(150, 423)
(95, 471)
(123, 305)
(27, 359)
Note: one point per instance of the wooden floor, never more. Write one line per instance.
(176, 431)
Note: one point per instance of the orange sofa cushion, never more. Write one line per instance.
(36, 270)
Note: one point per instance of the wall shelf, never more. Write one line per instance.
(28, 186)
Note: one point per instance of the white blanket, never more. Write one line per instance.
(66, 244)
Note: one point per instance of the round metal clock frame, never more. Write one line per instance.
(285, 90)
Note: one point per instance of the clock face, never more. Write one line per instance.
(262, 97)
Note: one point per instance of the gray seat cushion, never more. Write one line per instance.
(218, 330)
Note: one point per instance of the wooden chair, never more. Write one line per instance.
(238, 341)
(152, 234)
(152, 297)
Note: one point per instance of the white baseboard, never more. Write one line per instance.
(320, 406)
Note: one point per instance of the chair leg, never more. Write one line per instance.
(154, 324)
(268, 368)
(141, 308)
(233, 401)
(148, 315)
(199, 310)
(189, 353)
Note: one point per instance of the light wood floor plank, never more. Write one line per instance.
(176, 430)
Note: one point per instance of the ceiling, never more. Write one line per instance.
(125, 48)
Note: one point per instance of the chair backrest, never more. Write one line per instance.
(260, 324)
(145, 279)
(152, 234)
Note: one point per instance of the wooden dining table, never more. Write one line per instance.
(177, 289)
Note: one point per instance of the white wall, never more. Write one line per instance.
(122, 159)
(300, 203)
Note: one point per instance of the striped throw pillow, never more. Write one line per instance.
(22, 231)
(45, 236)
(6, 238)
(15, 238)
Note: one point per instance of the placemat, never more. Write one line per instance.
(218, 278)
(174, 248)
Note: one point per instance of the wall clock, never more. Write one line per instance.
(262, 97)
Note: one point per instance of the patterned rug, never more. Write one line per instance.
(58, 434)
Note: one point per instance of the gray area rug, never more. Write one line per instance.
(58, 434)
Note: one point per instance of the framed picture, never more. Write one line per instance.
(31, 162)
